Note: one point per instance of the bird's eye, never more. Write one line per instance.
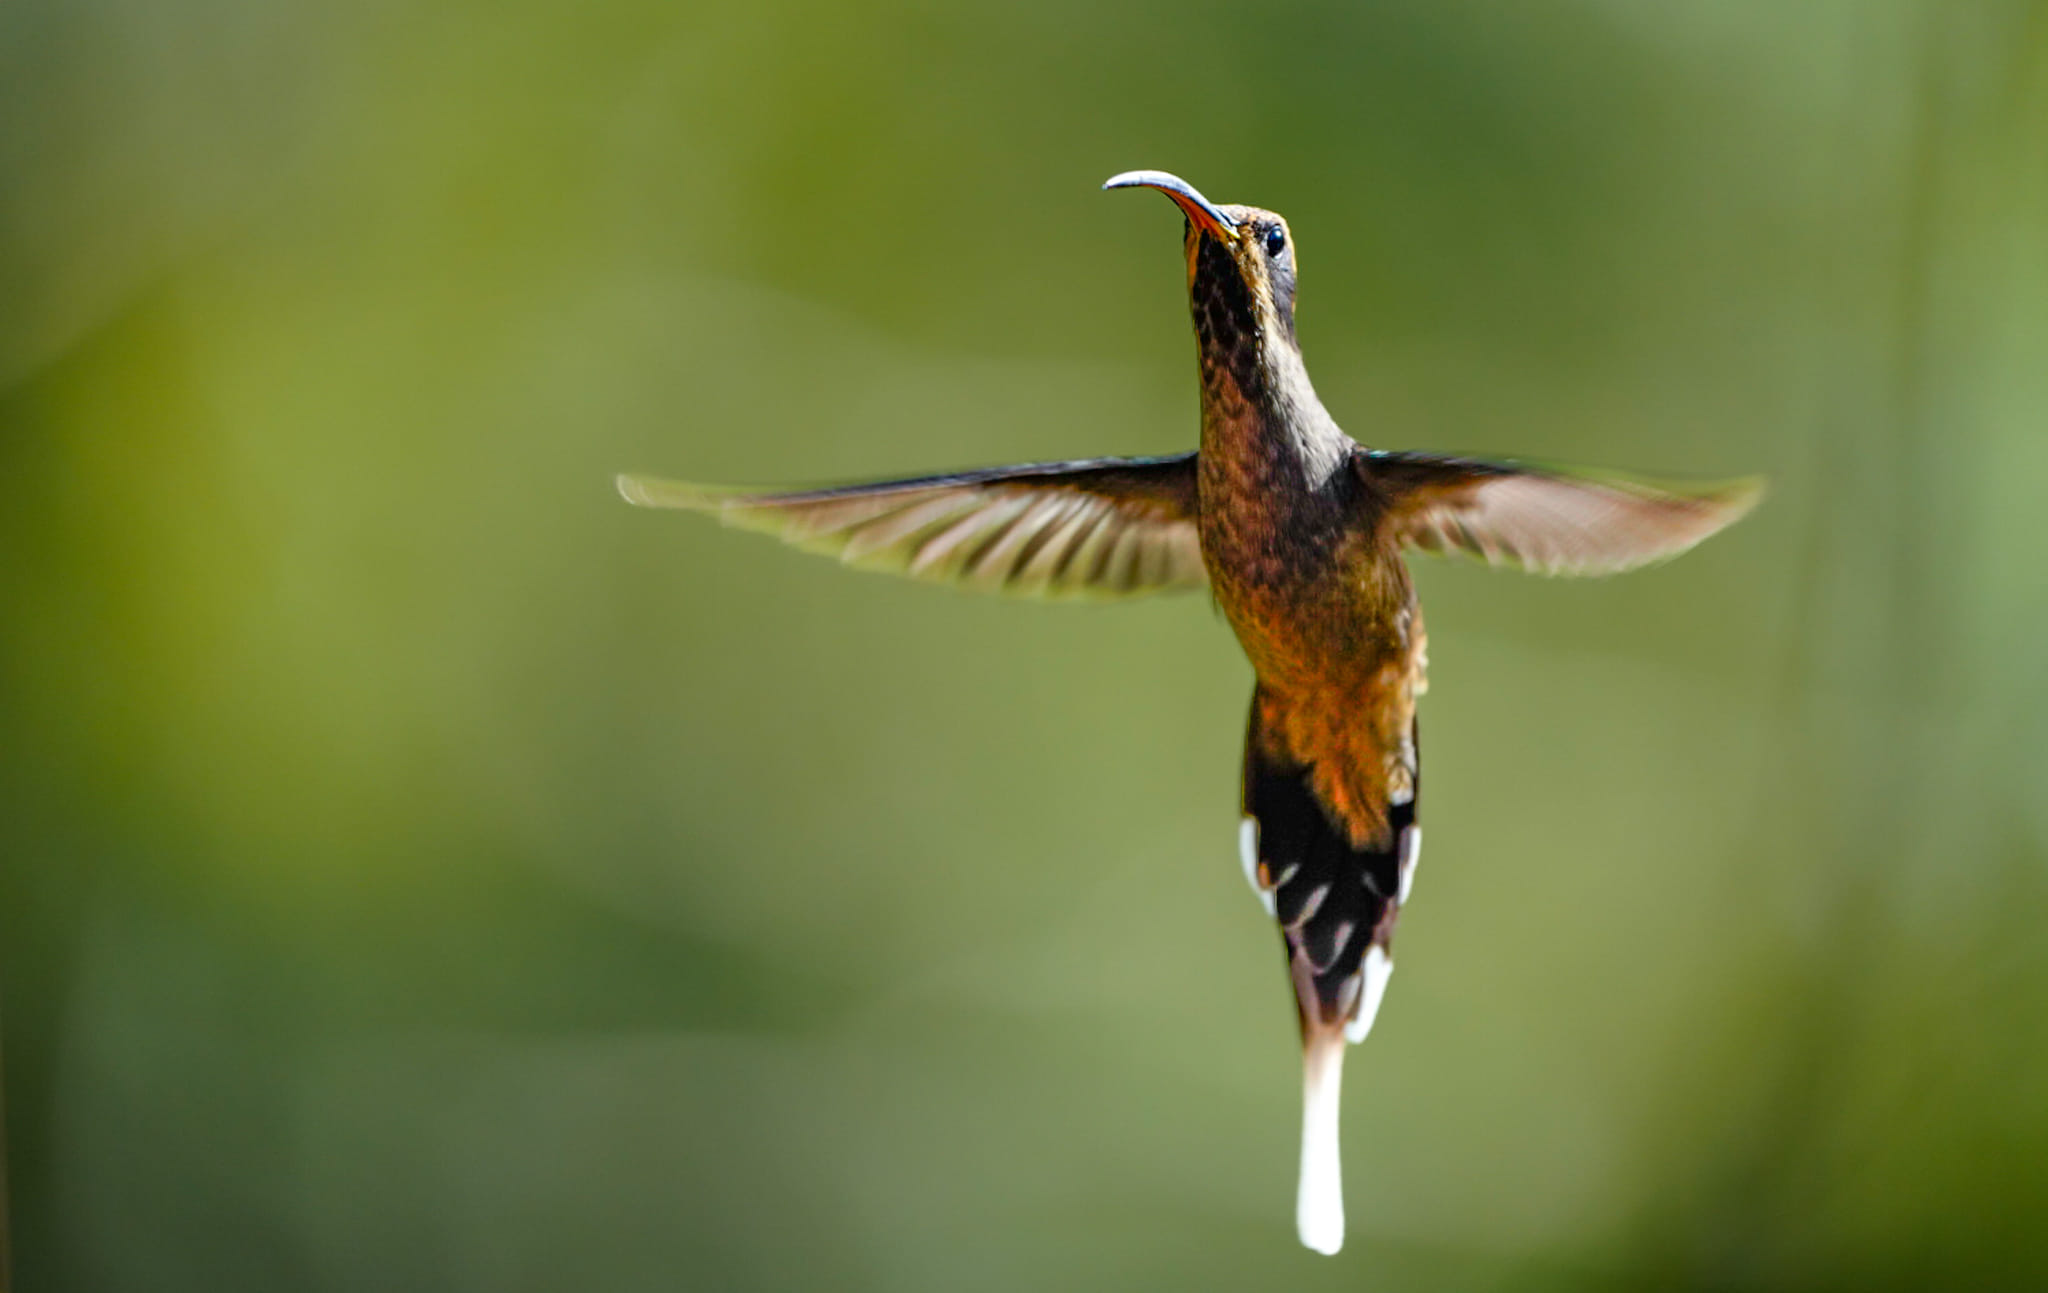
(1276, 240)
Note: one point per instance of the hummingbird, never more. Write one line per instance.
(1299, 533)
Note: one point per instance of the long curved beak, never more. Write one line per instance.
(1201, 212)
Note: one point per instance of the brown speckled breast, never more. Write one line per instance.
(1325, 611)
(1318, 595)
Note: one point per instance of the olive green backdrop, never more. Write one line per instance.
(422, 871)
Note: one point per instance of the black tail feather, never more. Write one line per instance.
(1336, 905)
(1333, 901)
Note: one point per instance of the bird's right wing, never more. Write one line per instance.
(1101, 528)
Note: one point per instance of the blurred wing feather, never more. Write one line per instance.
(1106, 527)
(1545, 520)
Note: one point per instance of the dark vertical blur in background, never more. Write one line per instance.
(422, 871)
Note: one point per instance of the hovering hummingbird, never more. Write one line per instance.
(1298, 532)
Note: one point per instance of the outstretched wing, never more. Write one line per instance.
(1104, 527)
(1547, 521)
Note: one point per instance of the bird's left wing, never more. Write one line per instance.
(1101, 528)
(1546, 520)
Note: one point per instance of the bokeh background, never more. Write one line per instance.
(422, 871)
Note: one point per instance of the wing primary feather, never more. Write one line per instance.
(1046, 566)
(1547, 520)
(899, 528)
(1098, 527)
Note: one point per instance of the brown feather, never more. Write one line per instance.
(1107, 527)
(1548, 520)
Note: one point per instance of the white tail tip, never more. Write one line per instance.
(1319, 1207)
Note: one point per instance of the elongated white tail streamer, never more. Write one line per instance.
(1319, 1208)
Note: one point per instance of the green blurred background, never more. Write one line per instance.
(423, 871)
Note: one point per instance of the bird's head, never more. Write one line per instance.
(1240, 273)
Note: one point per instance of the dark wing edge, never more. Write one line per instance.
(1097, 528)
(1549, 520)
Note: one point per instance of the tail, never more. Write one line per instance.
(1336, 905)
(1319, 1201)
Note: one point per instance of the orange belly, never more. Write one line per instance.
(1339, 669)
